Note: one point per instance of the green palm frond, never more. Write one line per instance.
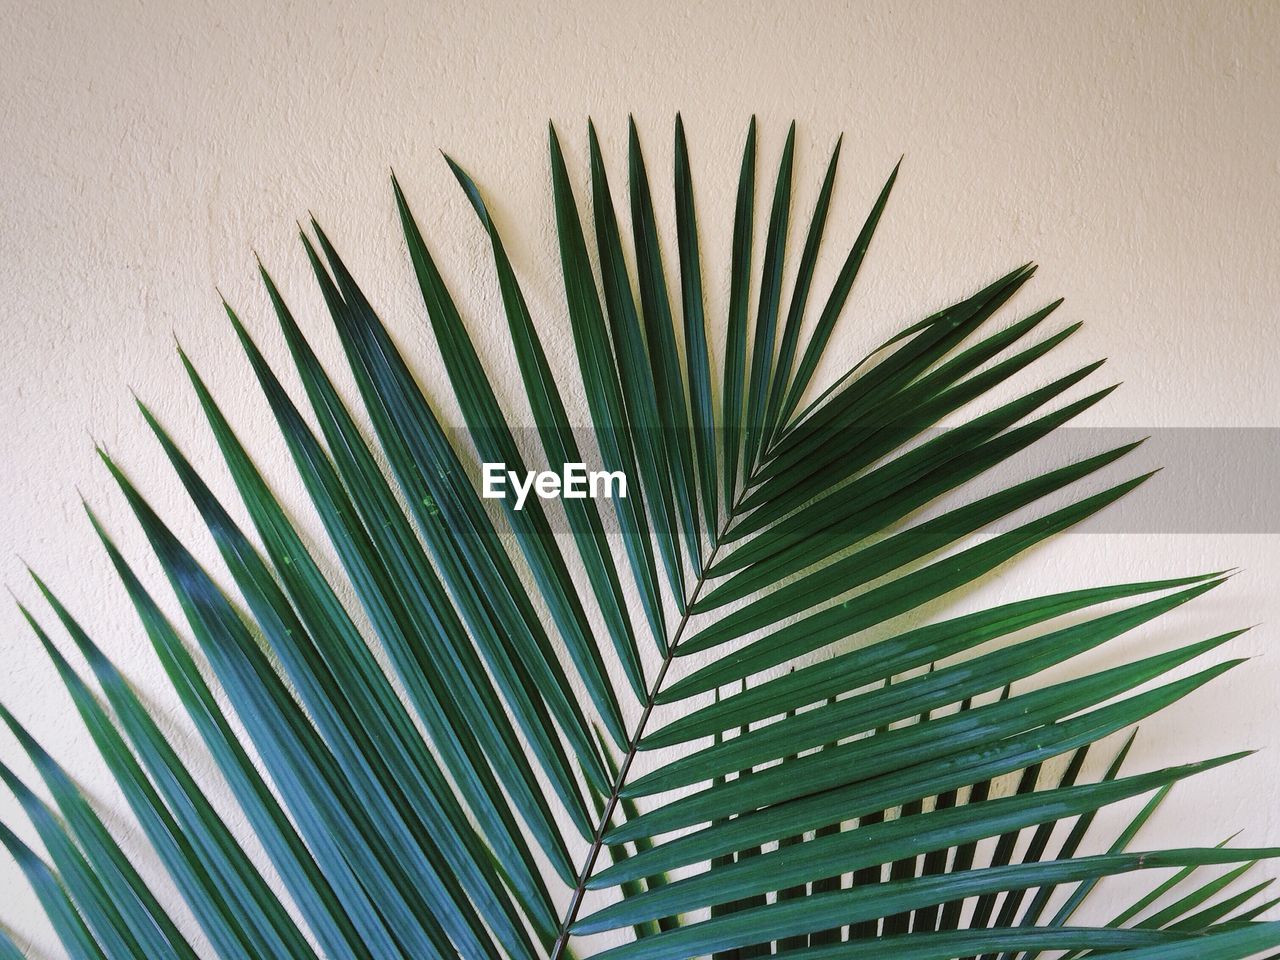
(716, 717)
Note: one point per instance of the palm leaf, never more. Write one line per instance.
(458, 742)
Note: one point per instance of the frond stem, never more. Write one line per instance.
(558, 952)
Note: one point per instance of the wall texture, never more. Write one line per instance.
(1132, 148)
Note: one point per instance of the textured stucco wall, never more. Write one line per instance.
(1132, 148)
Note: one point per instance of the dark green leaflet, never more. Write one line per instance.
(357, 922)
(766, 327)
(854, 904)
(562, 447)
(799, 299)
(917, 744)
(493, 438)
(898, 654)
(430, 472)
(733, 383)
(141, 910)
(697, 357)
(638, 393)
(600, 381)
(75, 936)
(660, 335)
(882, 843)
(933, 691)
(889, 790)
(834, 305)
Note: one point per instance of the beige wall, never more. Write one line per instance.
(1132, 148)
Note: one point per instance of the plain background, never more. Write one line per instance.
(1132, 148)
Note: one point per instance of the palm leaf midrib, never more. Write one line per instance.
(633, 742)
